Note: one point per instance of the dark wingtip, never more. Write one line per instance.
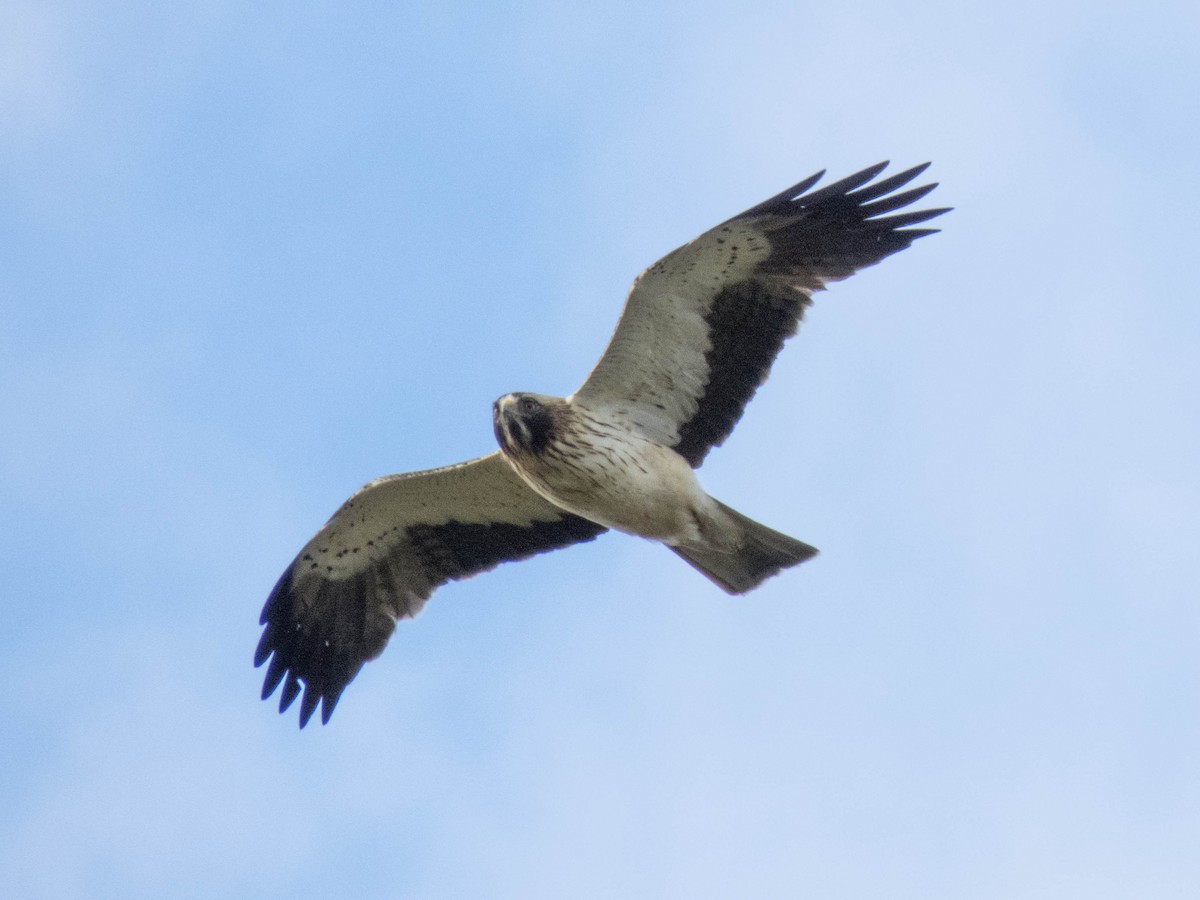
(308, 704)
(892, 201)
(859, 189)
(850, 224)
(886, 185)
(801, 186)
(916, 233)
(328, 703)
(783, 198)
(844, 185)
(277, 598)
(275, 673)
(291, 689)
(266, 645)
(895, 223)
(293, 663)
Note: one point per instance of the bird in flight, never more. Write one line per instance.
(699, 332)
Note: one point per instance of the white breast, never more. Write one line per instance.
(616, 477)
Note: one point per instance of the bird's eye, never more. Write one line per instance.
(528, 404)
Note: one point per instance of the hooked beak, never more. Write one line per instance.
(504, 420)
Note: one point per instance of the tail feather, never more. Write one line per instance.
(763, 553)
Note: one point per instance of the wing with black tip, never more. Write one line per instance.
(702, 326)
(381, 556)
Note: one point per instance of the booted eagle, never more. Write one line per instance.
(700, 330)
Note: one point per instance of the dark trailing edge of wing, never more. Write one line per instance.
(747, 324)
(826, 234)
(324, 639)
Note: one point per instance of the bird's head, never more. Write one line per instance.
(524, 423)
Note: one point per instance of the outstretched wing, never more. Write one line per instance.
(702, 325)
(381, 556)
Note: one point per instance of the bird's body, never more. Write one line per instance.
(698, 335)
(594, 467)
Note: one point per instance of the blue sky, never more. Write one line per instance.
(252, 256)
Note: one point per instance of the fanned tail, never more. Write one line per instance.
(763, 553)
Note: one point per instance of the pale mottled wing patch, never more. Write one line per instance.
(381, 556)
(703, 325)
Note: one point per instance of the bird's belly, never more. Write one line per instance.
(632, 486)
